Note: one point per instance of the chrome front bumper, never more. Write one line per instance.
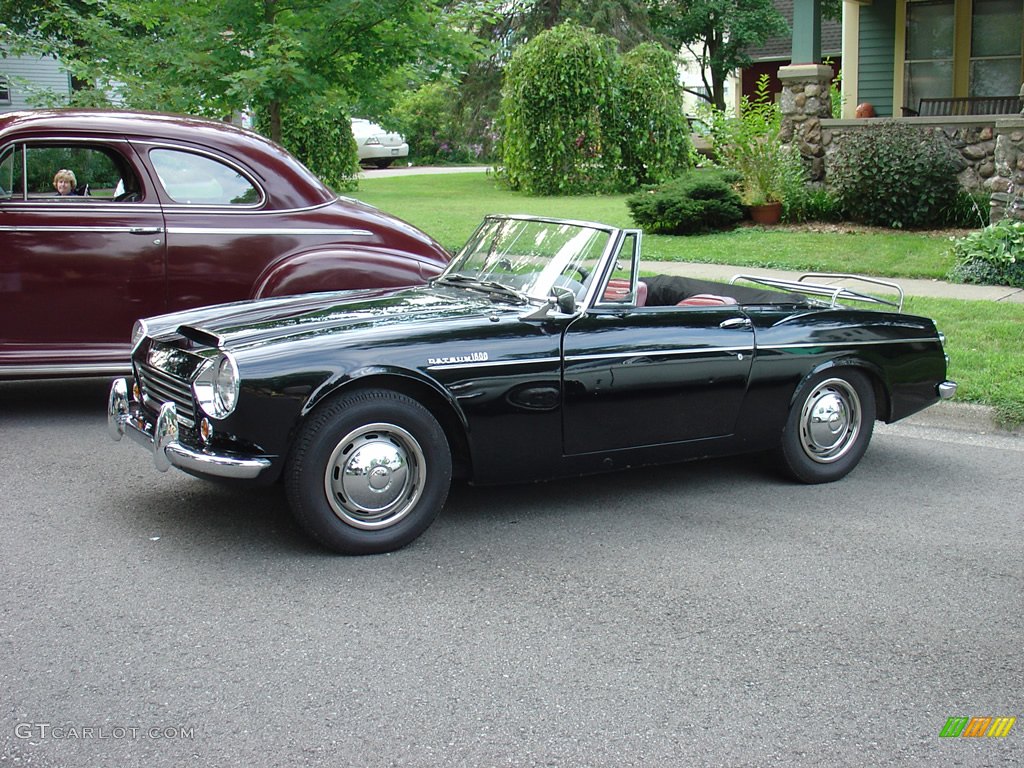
(946, 390)
(124, 417)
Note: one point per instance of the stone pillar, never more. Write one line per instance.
(1007, 185)
(804, 104)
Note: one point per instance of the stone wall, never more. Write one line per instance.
(990, 147)
(1007, 185)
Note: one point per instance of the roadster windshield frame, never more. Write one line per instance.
(532, 255)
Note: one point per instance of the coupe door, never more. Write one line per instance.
(76, 271)
(220, 238)
(649, 376)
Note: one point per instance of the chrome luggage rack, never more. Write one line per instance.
(836, 293)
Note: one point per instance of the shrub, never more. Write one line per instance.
(811, 203)
(556, 101)
(991, 256)
(312, 130)
(770, 171)
(652, 131)
(894, 175)
(698, 202)
(430, 118)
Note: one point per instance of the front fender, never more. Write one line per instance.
(423, 389)
(344, 269)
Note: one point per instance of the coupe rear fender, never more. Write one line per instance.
(344, 269)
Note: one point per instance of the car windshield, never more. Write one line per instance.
(526, 258)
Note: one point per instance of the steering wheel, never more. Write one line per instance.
(579, 269)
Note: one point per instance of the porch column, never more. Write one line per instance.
(804, 103)
(806, 31)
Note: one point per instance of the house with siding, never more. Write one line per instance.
(960, 58)
(901, 51)
(24, 78)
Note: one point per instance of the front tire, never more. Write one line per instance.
(829, 427)
(369, 472)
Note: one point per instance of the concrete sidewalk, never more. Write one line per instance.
(936, 288)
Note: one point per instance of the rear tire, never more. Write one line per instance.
(829, 427)
(369, 472)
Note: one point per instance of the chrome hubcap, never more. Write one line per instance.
(375, 476)
(830, 421)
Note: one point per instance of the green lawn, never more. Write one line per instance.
(450, 206)
(984, 340)
(985, 344)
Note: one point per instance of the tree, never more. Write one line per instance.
(653, 133)
(320, 58)
(517, 22)
(557, 105)
(578, 117)
(718, 33)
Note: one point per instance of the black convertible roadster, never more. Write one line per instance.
(541, 351)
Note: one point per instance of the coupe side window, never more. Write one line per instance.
(52, 172)
(198, 180)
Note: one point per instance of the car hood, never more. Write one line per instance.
(381, 312)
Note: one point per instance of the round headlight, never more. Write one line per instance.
(216, 387)
(225, 385)
(139, 332)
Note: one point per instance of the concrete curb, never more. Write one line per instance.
(962, 417)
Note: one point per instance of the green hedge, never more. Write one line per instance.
(695, 203)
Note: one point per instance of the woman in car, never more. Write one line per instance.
(65, 183)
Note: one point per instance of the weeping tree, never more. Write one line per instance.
(577, 117)
(653, 134)
(558, 135)
(515, 23)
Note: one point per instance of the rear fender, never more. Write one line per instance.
(875, 375)
(343, 269)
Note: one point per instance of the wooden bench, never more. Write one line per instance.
(965, 105)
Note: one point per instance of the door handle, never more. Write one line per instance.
(146, 230)
(735, 322)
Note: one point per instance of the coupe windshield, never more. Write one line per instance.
(529, 257)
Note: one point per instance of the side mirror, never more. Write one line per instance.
(561, 299)
(564, 299)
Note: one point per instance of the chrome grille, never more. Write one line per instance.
(159, 387)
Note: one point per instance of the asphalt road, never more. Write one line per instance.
(706, 614)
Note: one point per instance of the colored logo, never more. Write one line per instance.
(976, 727)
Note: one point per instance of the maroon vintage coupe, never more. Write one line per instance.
(168, 212)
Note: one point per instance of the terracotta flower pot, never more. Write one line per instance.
(766, 213)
